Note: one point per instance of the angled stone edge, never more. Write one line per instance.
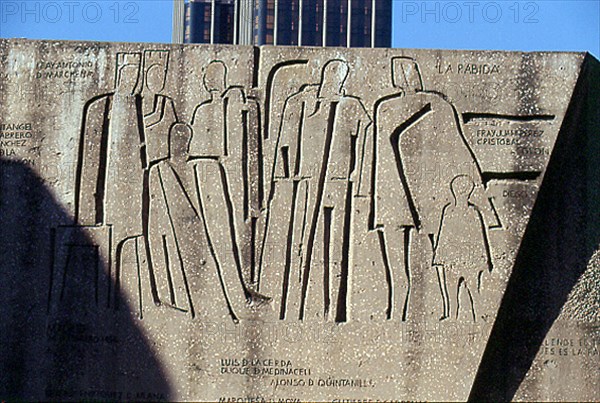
(532, 353)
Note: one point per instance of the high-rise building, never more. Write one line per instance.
(356, 23)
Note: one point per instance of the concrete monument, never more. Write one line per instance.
(236, 224)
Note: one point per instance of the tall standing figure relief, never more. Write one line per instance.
(159, 117)
(462, 252)
(420, 149)
(316, 155)
(111, 170)
(222, 133)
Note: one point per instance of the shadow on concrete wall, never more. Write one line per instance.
(562, 235)
(77, 348)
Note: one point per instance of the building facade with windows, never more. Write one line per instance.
(345, 23)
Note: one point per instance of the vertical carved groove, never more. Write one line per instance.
(299, 141)
(141, 131)
(253, 222)
(212, 249)
(285, 156)
(407, 272)
(256, 69)
(486, 239)
(245, 177)
(118, 255)
(318, 202)
(231, 224)
(168, 269)
(139, 278)
(328, 212)
(225, 128)
(304, 222)
(472, 304)
(259, 159)
(342, 307)
(288, 254)
(79, 167)
(102, 166)
(342, 303)
(388, 275)
(110, 257)
(146, 235)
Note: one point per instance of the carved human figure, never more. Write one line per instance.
(159, 109)
(461, 250)
(222, 134)
(180, 246)
(420, 148)
(316, 155)
(111, 168)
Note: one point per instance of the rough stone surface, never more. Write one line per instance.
(227, 223)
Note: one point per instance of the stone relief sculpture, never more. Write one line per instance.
(181, 239)
(409, 137)
(224, 130)
(173, 223)
(316, 152)
(461, 249)
(124, 133)
(195, 186)
(158, 109)
(181, 178)
(112, 147)
(219, 151)
(241, 213)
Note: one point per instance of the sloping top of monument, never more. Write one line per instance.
(297, 223)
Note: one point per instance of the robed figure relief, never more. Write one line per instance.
(123, 133)
(183, 255)
(420, 149)
(186, 235)
(110, 174)
(218, 151)
(313, 183)
(167, 200)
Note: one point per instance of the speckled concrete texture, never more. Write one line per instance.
(237, 224)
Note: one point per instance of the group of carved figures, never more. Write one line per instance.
(185, 199)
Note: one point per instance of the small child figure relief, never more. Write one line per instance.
(461, 251)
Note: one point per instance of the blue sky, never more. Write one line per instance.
(572, 25)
